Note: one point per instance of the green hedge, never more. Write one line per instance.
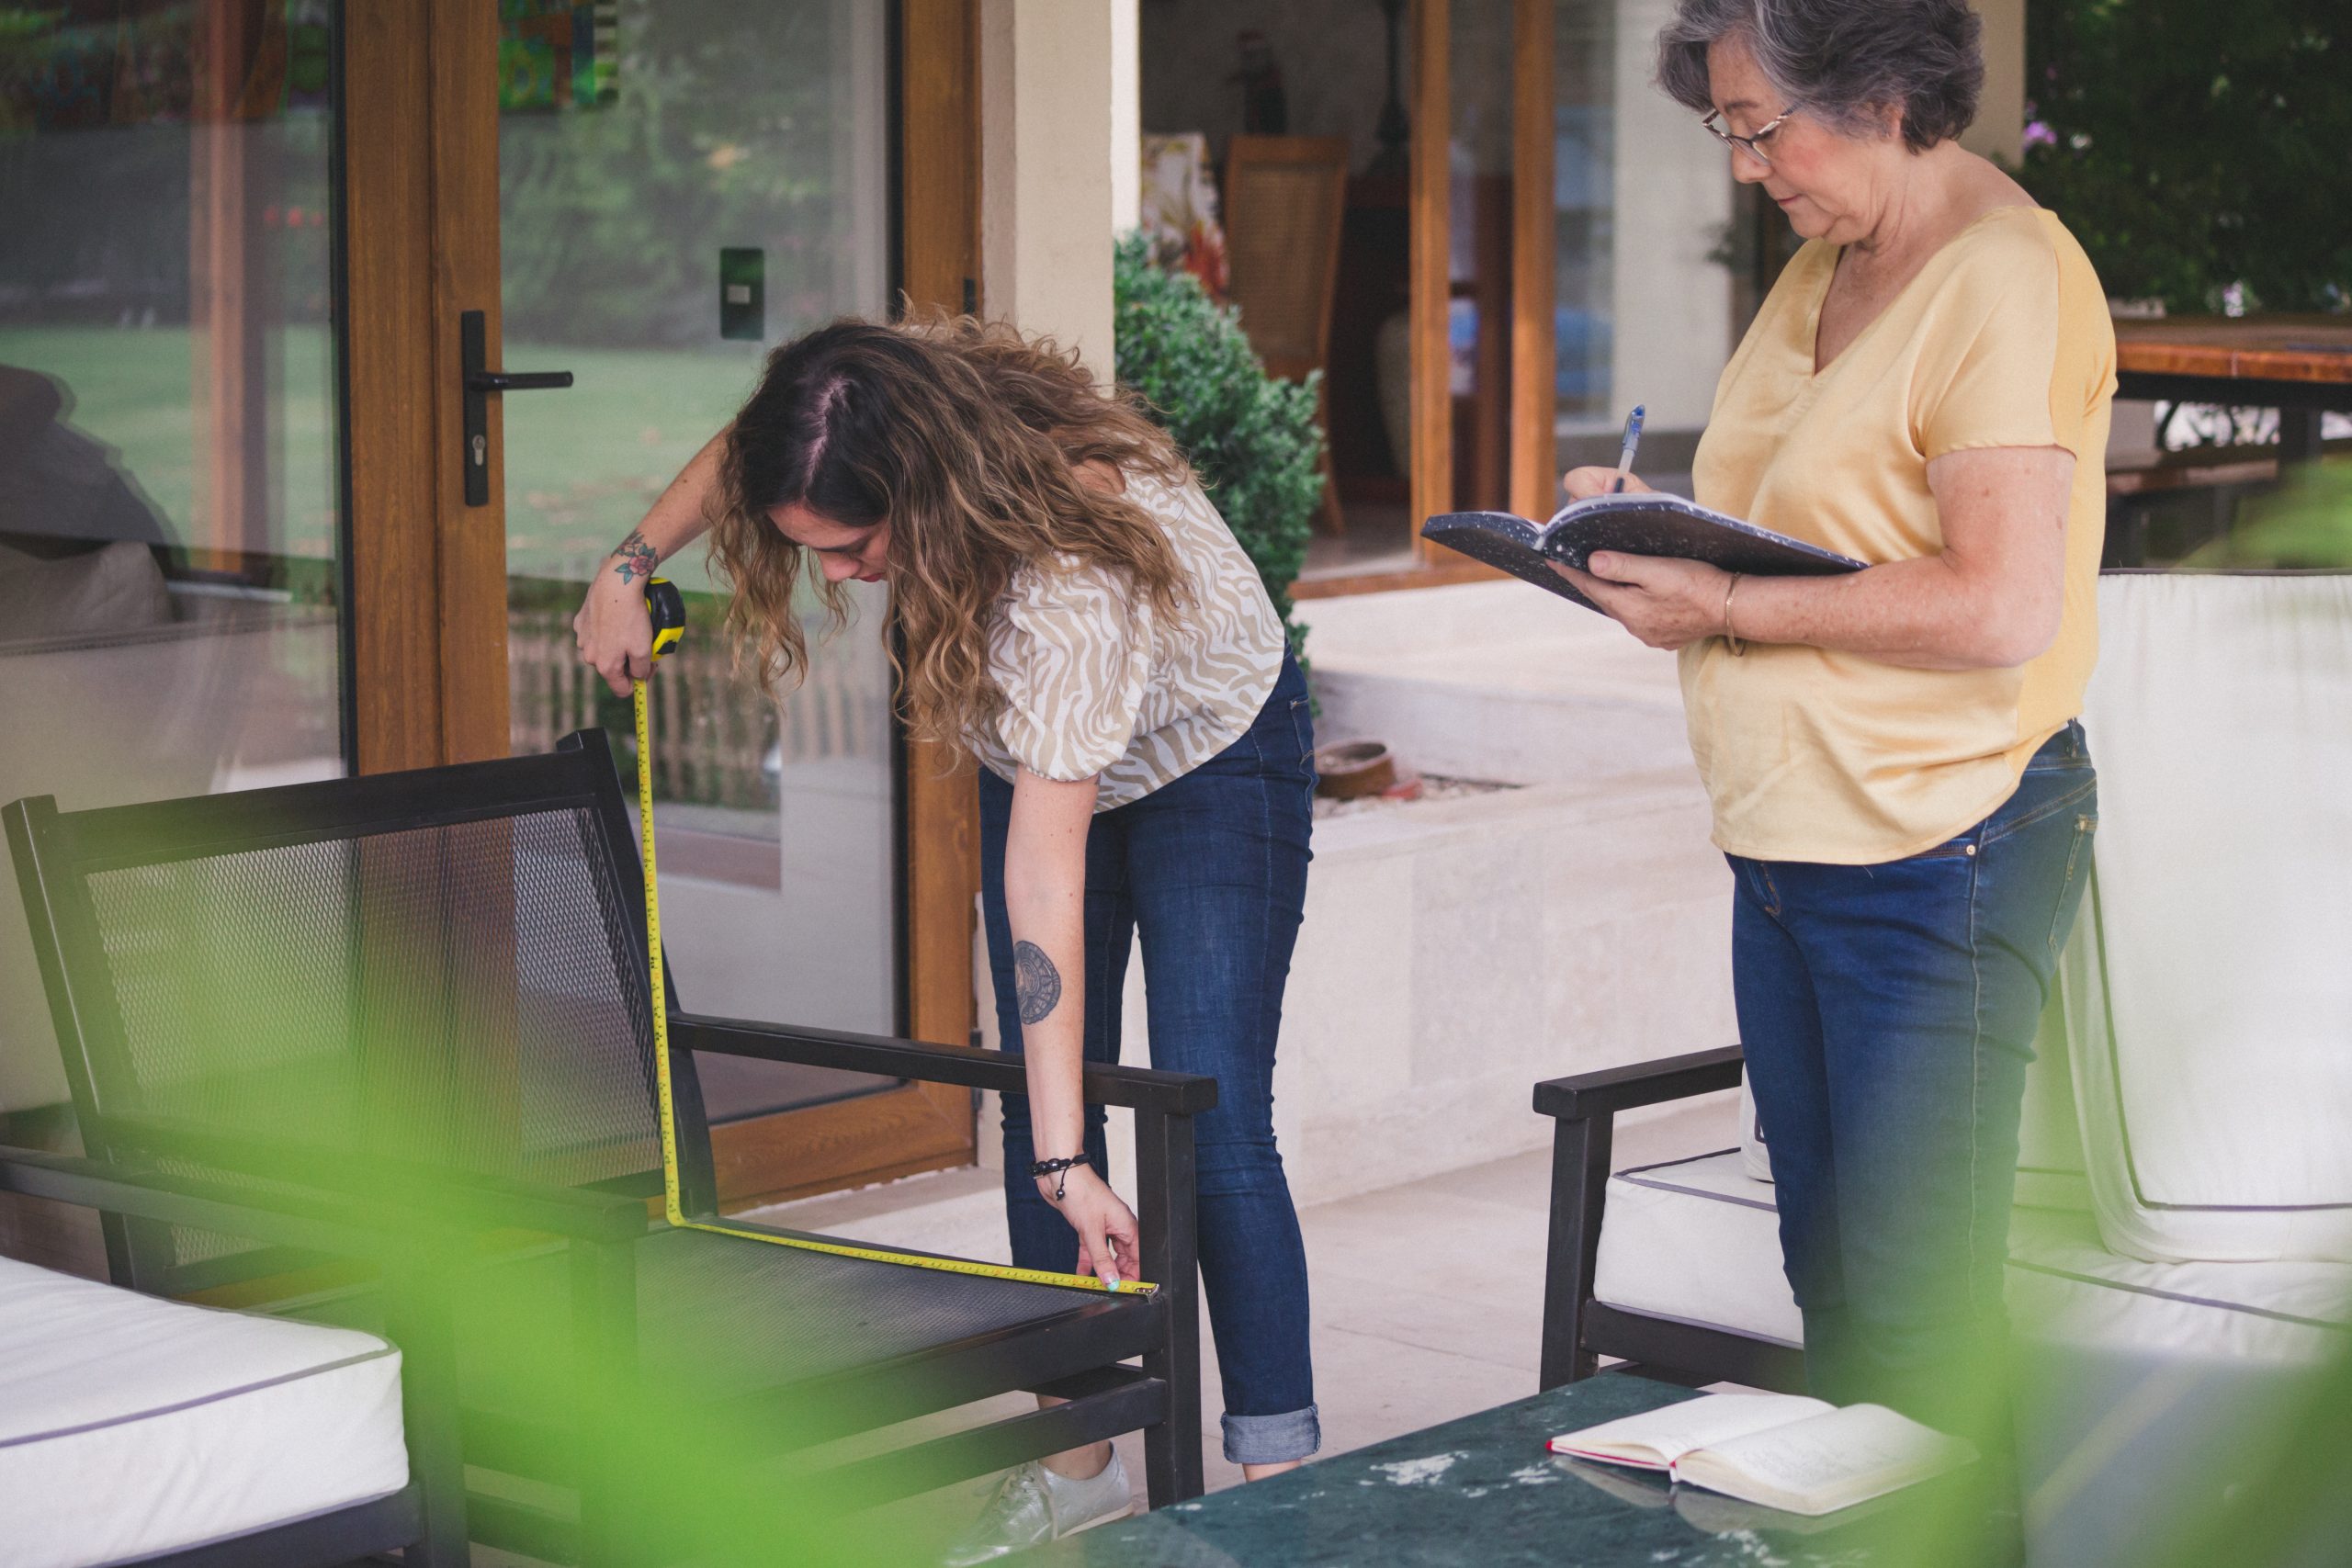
(1252, 439)
(2197, 148)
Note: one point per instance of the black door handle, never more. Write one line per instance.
(480, 381)
(515, 381)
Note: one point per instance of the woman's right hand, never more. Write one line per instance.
(614, 630)
(1583, 484)
(1109, 1242)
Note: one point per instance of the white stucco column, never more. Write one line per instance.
(1126, 117)
(1046, 127)
(1670, 311)
(2000, 131)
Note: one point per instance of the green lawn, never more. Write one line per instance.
(582, 465)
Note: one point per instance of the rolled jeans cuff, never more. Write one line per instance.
(1273, 1439)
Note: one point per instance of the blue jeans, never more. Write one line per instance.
(1212, 870)
(1888, 1014)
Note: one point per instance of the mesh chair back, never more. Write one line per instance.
(1284, 197)
(441, 969)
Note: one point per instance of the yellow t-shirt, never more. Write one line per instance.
(2002, 340)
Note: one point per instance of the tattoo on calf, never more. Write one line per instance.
(635, 557)
(1036, 984)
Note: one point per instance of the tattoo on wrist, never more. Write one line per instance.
(635, 557)
(1036, 984)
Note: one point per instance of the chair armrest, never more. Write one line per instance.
(1141, 1088)
(381, 1194)
(1612, 1089)
(313, 1222)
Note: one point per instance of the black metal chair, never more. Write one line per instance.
(1578, 1330)
(427, 990)
(425, 1521)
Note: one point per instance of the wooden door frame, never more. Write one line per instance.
(1532, 480)
(1428, 286)
(426, 611)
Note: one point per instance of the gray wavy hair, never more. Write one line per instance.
(1846, 61)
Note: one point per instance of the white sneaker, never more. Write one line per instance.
(1032, 1505)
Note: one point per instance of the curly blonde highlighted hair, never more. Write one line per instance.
(965, 437)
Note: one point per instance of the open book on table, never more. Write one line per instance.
(1712, 1511)
(1780, 1450)
(1643, 523)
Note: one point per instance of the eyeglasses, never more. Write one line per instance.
(1747, 144)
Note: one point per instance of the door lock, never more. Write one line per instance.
(480, 381)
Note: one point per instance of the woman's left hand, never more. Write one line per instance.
(1665, 602)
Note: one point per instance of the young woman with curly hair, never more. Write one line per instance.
(1070, 609)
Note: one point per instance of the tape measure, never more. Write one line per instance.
(667, 608)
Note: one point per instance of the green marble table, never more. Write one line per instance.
(1483, 1491)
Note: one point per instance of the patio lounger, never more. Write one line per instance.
(431, 986)
(146, 1432)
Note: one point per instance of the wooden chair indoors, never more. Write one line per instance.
(1284, 197)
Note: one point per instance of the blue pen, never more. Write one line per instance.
(1626, 454)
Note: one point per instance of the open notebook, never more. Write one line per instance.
(1780, 1450)
(1643, 523)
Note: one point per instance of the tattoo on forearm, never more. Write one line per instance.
(635, 557)
(1036, 984)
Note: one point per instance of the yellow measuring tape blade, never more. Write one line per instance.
(671, 1208)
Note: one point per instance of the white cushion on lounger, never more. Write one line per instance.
(132, 1426)
(2215, 1113)
(1697, 1241)
(2065, 1287)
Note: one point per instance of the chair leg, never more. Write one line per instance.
(604, 1324)
(1580, 1182)
(1165, 1194)
(420, 1321)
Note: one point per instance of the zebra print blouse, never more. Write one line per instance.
(1093, 686)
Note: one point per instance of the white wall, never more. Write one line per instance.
(1126, 117)
(1046, 186)
(2000, 131)
(1671, 304)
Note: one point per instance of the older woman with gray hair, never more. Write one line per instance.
(1897, 774)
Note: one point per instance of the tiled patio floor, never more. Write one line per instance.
(1427, 1305)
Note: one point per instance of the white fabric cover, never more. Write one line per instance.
(2217, 1119)
(1698, 1241)
(2065, 1287)
(132, 1426)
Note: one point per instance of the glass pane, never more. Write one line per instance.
(169, 527)
(682, 185)
(1584, 154)
(1479, 186)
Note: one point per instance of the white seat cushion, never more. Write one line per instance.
(2209, 990)
(2067, 1288)
(1698, 1241)
(132, 1426)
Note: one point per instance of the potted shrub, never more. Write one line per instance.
(1252, 439)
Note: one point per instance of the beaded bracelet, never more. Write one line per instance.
(1058, 1168)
